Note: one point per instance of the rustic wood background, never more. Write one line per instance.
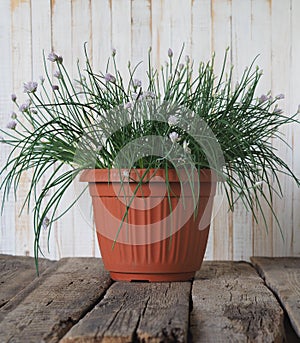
(270, 28)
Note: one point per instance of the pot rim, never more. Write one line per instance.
(135, 175)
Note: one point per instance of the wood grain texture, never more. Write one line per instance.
(51, 304)
(231, 304)
(143, 312)
(16, 272)
(282, 276)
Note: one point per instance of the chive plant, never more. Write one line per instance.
(87, 123)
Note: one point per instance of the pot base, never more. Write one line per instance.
(151, 277)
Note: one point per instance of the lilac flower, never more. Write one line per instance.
(46, 222)
(278, 110)
(279, 96)
(13, 97)
(109, 78)
(55, 87)
(170, 53)
(30, 87)
(174, 136)
(262, 98)
(137, 83)
(173, 120)
(57, 74)
(12, 125)
(25, 106)
(53, 57)
(150, 95)
(13, 115)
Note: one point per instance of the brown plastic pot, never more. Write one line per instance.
(163, 237)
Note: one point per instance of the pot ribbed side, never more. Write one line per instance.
(172, 254)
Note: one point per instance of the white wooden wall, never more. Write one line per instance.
(270, 28)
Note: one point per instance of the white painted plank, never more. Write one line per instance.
(201, 30)
(201, 50)
(294, 103)
(140, 36)
(63, 229)
(81, 33)
(242, 56)
(120, 34)
(221, 40)
(281, 12)
(102, 48)
(41, 41)
(22, 72)
(7, 220)
(161, 32)
(261, 40)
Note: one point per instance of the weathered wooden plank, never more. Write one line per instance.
(231, 304)
(282, 275)
(145, 312)
(51, 304)
(16, 272)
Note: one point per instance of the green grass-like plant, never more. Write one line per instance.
(87, 124)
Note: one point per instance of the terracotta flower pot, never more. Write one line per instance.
(149, 232)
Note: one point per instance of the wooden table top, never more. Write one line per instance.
(74, 300)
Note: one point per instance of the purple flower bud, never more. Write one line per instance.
(52, 57)
(150, 95)
(174, 136)
(279, 96)
(42, 79)
(262, 98)
(55, 87)
(60, 59)
(13, 97)
(173, 120)
(13, 115)
(187, 59)
(46, 222)
(113, 51)
(12, 125)
(181, 66)
(57, 74)
(25, 107)
(137, 83)
(170, 53)
(30, 87)
(109, 78)
(278, 110)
